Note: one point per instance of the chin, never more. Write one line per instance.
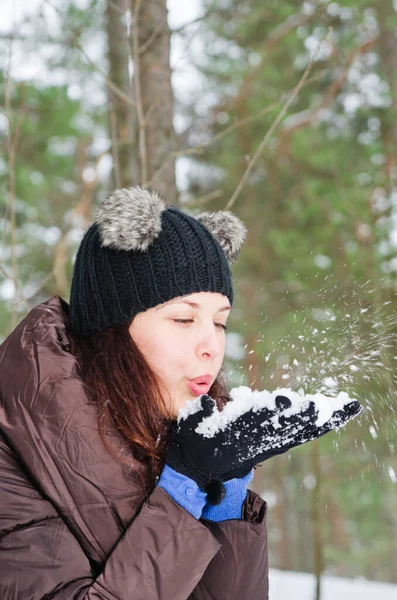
(177, 407)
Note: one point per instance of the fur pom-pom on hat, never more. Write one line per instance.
(227, 229)
(130, 219)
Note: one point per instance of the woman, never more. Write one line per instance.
(104, 494)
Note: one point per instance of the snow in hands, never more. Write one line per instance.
(245, 399)
(271, 422)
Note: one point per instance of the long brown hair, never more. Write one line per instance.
(128, 396)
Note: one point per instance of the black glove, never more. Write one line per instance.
(282, 430)
(215, 456)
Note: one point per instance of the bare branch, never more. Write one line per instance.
(11, 151)
(283, 112)
(115, 149)
(6, 274)
(82, 211)
(117, 91)
(138, 92)
(211, 9)
(59, 271)
(39, 287)
(332, 91)
(274, 38)
(48, 40)
(200, 148)
(109, 83)
(20, 38)
(240, 123)
(201, 200)
(154, 35)
(193, 22)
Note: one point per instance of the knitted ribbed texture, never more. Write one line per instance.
(186, 493)
(183, 490)
(231, 506)
(109, 287)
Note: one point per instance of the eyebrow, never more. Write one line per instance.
(192, 304)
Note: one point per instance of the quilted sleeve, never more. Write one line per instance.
(40, 557)
(240, 569)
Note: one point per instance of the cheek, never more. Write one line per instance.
(171, 361)
(177, 360)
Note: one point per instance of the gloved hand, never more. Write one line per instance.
(285, 429)
(210, 452)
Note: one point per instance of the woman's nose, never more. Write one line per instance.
(211, 344)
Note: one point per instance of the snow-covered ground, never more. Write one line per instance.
(301, 586)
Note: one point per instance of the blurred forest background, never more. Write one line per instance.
(284, 112)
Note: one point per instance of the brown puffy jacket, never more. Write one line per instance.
(69, 527)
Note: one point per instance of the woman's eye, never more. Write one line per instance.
(220, 325)
(183, 320)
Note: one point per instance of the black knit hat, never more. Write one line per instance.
(139, 253)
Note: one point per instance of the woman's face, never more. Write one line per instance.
(182, 340)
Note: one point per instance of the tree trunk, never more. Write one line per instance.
(281, 516)
(141, 107)
(388, 56)
(318, 550)
(122, 114)
(156, 140)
